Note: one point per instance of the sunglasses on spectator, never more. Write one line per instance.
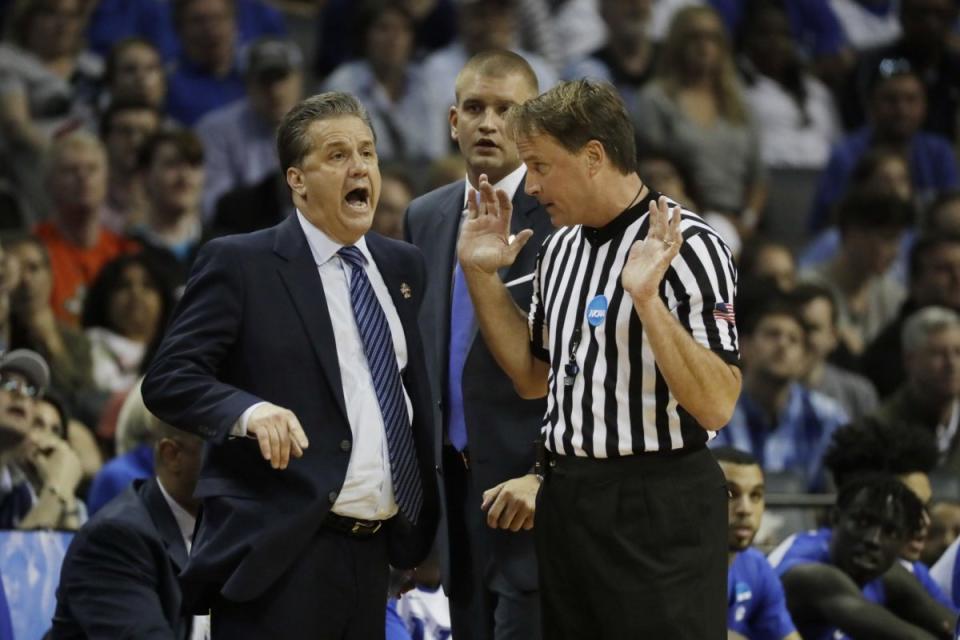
(19, 386)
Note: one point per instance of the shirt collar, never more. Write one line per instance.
(322, 246)
(185, 521)
(509, 184)
(601, 235)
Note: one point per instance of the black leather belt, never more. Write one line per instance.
(352, 526)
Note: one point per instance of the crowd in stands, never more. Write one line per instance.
(133, 132)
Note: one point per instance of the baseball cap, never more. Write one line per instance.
(29, 364)
(270, 59)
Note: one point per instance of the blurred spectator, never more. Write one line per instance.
(924, 47)
(78, 244)
(845, 581)
(46, 80)
(119, 576)
(930, 397)
(852, 391)
(135, 73)
(695, 107)
(943, 214)
(53, 416)
(784, 425)
(135, 438)
(396, 192)
(124, 127)
(247, 209)
(390, 86)
(868, 23)
(114, 20)
(627, 59)
(765, 259)
(867, 296)
(881, 170)
(51, 503)
(668, 174)
(897, 107)
(934, 281)
(435, 20)
(205, 75)
(239, 140)
(943, 531)
(757, 606)
(171, 163)
(483, 25)
(124, 316)
(794, 111)
(35, 326)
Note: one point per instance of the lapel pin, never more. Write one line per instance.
(405, 290)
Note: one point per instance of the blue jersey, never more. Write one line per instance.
(946, 573)
(922, 573)
(814, 546)
(756, 606)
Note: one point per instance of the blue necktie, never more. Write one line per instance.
(461, 330)
(382, 360)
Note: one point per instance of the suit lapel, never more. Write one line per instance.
(401, 285)
(164, 521)
(302, 279)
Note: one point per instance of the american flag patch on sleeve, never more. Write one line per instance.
(724, 311)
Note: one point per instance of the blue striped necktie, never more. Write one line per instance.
(382, 360)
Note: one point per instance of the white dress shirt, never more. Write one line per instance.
(508, 184)
(200, 629)
(367, 491)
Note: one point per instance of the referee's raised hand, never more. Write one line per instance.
(650, 258)
(485, 242)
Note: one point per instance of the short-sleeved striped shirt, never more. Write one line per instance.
(618, 403)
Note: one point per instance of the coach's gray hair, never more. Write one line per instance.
(293, 141)
(924, 323)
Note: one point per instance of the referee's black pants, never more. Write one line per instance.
(633, 547)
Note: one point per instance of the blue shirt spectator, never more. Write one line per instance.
(6, 625)
(930, 585)
(946, 573)
(816, 26)
(795, 442)
(933, 168)
(192, 92)
(756, 606)
(114, 20)
(814, 546)
(117, 474)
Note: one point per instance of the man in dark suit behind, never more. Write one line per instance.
(305, 334)
(119, 577)
(487, 444)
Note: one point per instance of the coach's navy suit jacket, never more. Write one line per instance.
(501, 427)
(119, 577)
(253, 325)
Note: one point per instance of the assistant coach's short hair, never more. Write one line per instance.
(574, 113)
(732, 455)
(293, 141)
(498, 63)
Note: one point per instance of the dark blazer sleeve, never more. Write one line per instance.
(182, 385)
(110, 580)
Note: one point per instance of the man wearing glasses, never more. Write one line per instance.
(52, 502)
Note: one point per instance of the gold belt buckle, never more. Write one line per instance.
(361, 526)
(466, 460)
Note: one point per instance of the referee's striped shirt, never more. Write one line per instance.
(618, 403)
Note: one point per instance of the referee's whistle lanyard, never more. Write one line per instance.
(572, 369)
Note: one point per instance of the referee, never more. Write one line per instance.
(631, 337)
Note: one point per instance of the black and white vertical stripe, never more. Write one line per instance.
(619, 403)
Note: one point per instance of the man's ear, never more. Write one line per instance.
(453, 117)
(295, 180)
(594, 156)
(168, 452)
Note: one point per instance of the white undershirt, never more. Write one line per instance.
(200, 629)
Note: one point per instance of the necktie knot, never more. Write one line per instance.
(354, 256)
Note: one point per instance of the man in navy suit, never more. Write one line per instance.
(305, 335)
(119, 577)
(487, 444)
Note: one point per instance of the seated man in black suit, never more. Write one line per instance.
(119, 578)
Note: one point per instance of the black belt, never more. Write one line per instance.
(352, 526)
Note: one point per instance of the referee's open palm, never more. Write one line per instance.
(485, 242)
(650, 258)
